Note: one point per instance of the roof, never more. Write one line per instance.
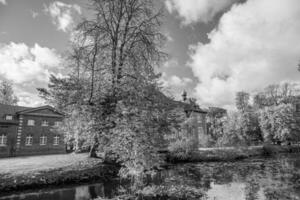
(188, 105)
(191, 106)
(10, 109)
(15, 110)
(28, 110)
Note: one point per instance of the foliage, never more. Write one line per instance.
(250, 127)
(276, 94)
(180, 192)
(232, 135)
(76, 127)
(242, 101)
(7, 95)
(240, 129)
(278, 123)
(182, 141)
(112, 78)
(215, 123)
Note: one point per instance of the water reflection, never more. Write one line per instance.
(86, 192)
(256, 179)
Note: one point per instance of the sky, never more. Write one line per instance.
(216, 47)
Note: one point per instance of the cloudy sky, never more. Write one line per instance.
(216, 47)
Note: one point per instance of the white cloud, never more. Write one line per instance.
(34, 14)
(28, 67)
(198, 10)
(255, 44)
(62, 14)
(3, 2)
(171, 63)
(175, 81)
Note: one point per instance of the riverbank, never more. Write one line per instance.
(40, 171)
(22, 173)
(230, 154)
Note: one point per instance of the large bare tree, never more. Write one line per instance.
(123, 38)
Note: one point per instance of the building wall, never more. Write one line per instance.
(198, 124)
(10, 148)
(37, 131)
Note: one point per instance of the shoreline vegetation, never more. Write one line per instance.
(80, 169)
(230, 154)
(92, 169)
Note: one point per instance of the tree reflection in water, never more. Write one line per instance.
(256, 179)
(259, 179)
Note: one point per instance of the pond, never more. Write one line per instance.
(253, 179)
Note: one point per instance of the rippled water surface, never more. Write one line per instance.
(255, 179)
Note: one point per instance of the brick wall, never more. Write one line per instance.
(37, 131)
(9, 149)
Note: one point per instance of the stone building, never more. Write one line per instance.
(194, 119)
(30, 131)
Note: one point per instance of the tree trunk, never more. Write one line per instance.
(94, 148)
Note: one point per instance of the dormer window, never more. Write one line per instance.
(45, 123)
(8, 117)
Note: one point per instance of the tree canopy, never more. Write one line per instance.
(7, 95)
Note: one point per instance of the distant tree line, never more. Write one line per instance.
(269, 116)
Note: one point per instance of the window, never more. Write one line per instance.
(3, 139)
(45, 123)
(9, 117)
(297, 107)
(200, 130)
(43, 140)
(28, 140)
(57, 123)
(199, 118)
(30, 122)
(56, 140)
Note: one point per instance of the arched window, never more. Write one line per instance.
(28, 140)
(56, 140)
(43, 140)
(3, 139)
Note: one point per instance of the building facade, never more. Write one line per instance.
(30, 131)
(195, 124)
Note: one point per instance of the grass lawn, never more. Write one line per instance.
(41, 171)
(34, 164)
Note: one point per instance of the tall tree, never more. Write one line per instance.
(276, 94)
(7, 95)
(112, 73)
(242, 101)
(279, 124)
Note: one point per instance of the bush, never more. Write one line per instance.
(182, 149)
(279, 124)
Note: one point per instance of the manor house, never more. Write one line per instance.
(30, 131)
